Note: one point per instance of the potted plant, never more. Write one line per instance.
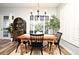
(53, 24)
(38, 28)
(10, 29)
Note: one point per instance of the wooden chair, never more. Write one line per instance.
(19, 28)
(59, 34)
(36, 41)
(57, 43)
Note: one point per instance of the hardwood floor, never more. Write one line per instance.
(37, 52)
(4, 43)
(8, 48)
(64, 51)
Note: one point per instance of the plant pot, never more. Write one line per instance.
(11, 39)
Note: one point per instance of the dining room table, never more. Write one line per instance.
(26, 37)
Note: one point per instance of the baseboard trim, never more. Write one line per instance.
(65, 51)
(70, 43)
(71, 48)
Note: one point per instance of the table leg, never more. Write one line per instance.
(22, 47)
(51, 49)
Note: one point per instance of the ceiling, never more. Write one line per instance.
(29, 4)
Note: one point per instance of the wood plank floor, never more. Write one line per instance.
(36, 52)
(6, 47)
(9, 49)
(3, 43)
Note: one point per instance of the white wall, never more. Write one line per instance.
(25, 13)
(1, 26)
(69, 18)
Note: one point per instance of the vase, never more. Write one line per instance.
(11, 39)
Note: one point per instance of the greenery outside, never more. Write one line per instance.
(38, 27)
(10, 29)
(53, 24)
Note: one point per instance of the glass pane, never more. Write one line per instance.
(5, 32)
(31, 27)
(46, 30)
(41, 18)
(31, 17)
(36, 17)
(5, 25)
(6, 17)
(47, 18)
(31, 32)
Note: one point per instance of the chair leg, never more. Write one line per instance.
(59, 49)
(26, 47)
(28, 43)
(41, 51)
(31, 51)
(50, 46)
(56, 46)
(17, 46)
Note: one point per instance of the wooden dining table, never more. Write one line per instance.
(26, 37)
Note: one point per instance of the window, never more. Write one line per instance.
(5, 32)
(31, 26)
(6, 17)
(5, 25)
(41, 18)
(31, 17)
(46, 18)
(31, 31)
(36, 17)
(46, 30)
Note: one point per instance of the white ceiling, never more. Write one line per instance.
(29, 4)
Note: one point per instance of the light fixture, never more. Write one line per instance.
(38, 11)
(45, 13)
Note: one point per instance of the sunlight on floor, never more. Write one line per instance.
(34, 52)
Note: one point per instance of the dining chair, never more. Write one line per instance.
(57, 43)
(19, 42)
(36, 41)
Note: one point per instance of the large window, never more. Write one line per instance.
(6, 22)
(35, 20)
(5, 25)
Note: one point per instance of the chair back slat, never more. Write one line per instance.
(59, 34)
(37, 37)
